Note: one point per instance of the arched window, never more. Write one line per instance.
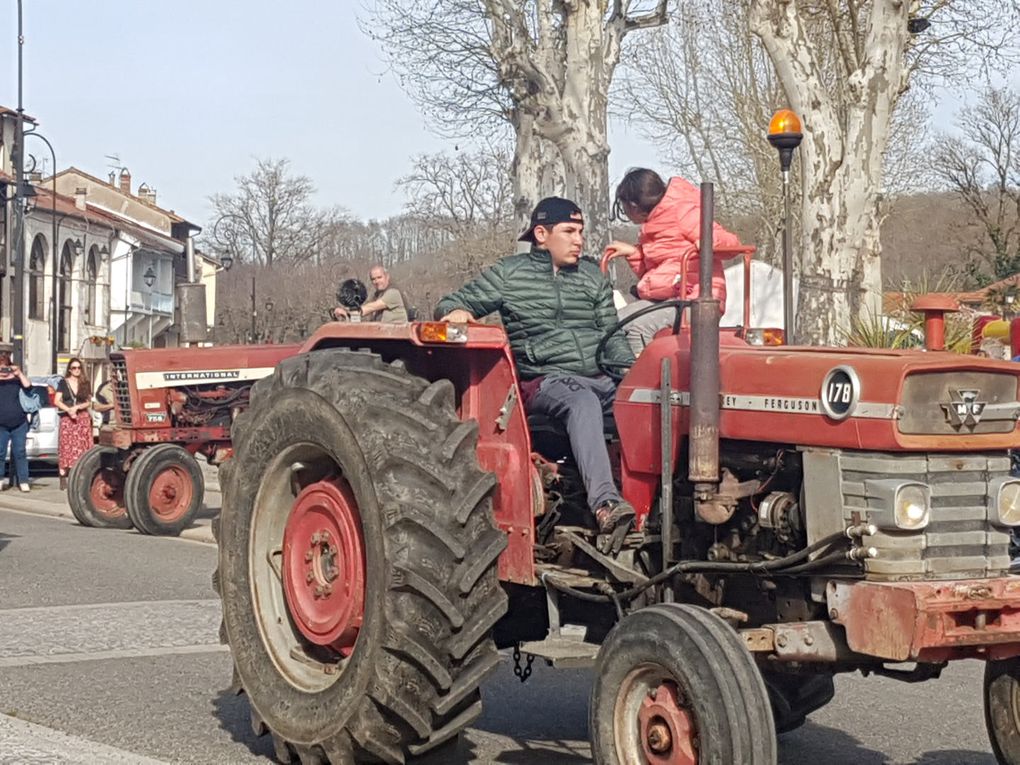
(37, 279)
(64, 297)
(91, 276)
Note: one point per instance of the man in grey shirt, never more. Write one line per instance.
(386, 305)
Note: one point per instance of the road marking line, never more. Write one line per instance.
(125, 653)
(22, 741)
(118, 604)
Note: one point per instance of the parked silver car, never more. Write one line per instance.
(44, 434)
(43, 437)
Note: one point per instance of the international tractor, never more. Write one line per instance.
(392, 518)
(170, 405)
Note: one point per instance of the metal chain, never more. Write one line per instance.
(522, 673)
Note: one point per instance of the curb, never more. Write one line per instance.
(39, 507)
(201, 533)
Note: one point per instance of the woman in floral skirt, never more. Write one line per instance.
(74, 398)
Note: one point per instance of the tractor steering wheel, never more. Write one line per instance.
(617, 369)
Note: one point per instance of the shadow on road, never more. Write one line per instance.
(5, 539)
(814, 743)
(956, 757)
(234, 715)
(546, 752)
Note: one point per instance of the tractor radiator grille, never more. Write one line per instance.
(121, 391)
(959, 541)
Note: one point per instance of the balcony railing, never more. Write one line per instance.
(152, 302)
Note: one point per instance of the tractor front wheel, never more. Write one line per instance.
(674, 685)
(357, 562)
(164, 490)
(95, 490)
(1002, 709)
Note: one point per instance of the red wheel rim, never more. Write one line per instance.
(171, 493)
(668, 736)
(106, 493)
(324, 565)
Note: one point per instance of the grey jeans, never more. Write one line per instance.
(580, 403)
(641, 331)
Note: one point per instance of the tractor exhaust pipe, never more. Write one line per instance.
(704, 423)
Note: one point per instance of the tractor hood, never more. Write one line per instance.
(872, 399)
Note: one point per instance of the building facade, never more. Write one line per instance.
(102, 265)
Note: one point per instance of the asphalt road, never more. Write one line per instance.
(109, 654)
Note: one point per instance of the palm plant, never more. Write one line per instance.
(902, 327)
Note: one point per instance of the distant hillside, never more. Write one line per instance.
(926, 233)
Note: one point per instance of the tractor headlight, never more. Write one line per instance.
(1005, 493)
(903, 505)
(912, 506)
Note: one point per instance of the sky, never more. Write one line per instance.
(189, 93)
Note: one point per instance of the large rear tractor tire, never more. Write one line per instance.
(357, 561)
(674, 685)
(95, 490)
(1002, 709)
(164, 490)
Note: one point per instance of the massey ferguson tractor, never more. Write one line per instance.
(171, 404)
(391, 518)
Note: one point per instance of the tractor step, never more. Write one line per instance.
(564, 650)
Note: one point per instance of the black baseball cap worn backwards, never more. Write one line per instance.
(549, 212)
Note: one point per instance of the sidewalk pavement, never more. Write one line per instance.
(47, 498)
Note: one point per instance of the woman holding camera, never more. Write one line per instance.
(73, 400)
(13, 422)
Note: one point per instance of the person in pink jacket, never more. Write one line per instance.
(666, 255)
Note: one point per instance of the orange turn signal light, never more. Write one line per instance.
(765, 336)
(442, 332)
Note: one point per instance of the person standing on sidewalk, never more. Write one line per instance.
(103, 401)
(74, 399)
(13, 422)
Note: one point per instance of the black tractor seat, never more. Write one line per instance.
(549, 435)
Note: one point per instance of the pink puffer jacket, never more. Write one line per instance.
(669, 236)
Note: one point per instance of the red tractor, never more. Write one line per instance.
(391, 518)
(171, 404)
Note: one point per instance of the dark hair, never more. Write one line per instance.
(640, 187)
(5, 358)
(84, 386)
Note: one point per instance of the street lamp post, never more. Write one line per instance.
(785, 135)
(53, 237)
(228, 261)
(18, 301)
(254, 312)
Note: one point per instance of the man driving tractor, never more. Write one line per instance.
(556, 306)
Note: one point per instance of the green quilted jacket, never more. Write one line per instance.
(554, 321)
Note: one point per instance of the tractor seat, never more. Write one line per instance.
(549, 436)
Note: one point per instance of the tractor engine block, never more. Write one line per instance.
(213, 405)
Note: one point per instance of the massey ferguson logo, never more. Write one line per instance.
(963, 408)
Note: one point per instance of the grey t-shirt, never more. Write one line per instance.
(394, 313)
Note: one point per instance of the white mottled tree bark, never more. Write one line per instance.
(556, 59)
(845, 137)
